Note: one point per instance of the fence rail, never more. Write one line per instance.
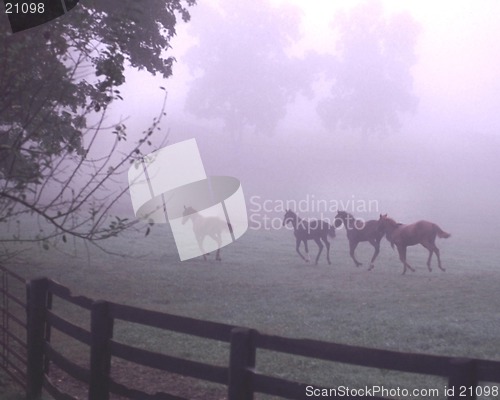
(13, 326)
(240, 375)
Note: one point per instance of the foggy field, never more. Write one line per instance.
(262, 283)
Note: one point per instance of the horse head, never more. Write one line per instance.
(387, 226)
(385, 223)
(290, 216)
(188, 211)
(340, 218)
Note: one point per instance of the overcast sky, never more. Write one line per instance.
(456, 77)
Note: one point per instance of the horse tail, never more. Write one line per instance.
(441, 233)
(331, 231)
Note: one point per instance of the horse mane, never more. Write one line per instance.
(384, 219)
(343, 216)
(293, 215)
(392, 221)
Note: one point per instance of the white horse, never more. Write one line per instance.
(206, 226)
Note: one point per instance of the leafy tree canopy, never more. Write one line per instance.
(372, 81)
(247, 76)
(57, 77)
(51, 74)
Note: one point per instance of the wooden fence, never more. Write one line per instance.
(241, 376)
(13, 325)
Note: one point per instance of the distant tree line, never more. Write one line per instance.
(246, 76)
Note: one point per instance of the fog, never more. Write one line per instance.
(423, 141)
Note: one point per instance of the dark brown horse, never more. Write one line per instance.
(360, 231)
(421, 232)
(316, 230)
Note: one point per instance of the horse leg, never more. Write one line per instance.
(297, 245)
(320, 245)
(306, 246)
(352, 247)
(376, 244)
(327, 244)
(402, 257)
(218, 239)
(436, 250)
(430, 244)
(430, 247)
(429, 260)
(200, 245)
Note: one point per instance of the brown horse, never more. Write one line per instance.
(360, 231)
(421, 232)
(316, 230)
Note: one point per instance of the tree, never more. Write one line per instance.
(247, 76)
(56, 78)
(371, 76)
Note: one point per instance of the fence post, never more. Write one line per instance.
(241, 360)
(462, 381)
(101, 330)
(48, 330)
(4, 308)
(36, 317)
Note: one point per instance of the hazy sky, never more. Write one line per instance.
(456, 77)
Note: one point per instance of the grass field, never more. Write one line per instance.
(262, 283)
